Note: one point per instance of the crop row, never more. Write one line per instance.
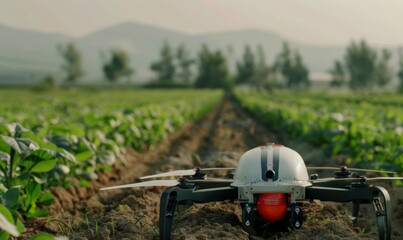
(369, 133)
(65, 138)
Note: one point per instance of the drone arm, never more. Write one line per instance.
(174, 196)
(338, 194)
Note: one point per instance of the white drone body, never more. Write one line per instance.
(271, 168)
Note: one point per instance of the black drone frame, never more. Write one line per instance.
(192, 191)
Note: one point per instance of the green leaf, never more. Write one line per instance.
(33, 212)
(4, 157)
(89, 174)
(44, 166)
(85, 155)
(20, 226)
(66, 155)
(61, 142)
(46, 199)
(11, 198)
(33, 191)
(43, 236)
(4, 235)
(40, 155)
(30, 144)
(4, 147)
(84, 183)
(7, 221)
(106, 157)
(16, 129)
(21, 145)
(12, 143)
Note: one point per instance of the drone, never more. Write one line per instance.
(270, 183)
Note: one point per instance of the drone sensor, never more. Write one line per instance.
(270, 174)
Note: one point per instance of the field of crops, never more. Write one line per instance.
(366, 130)
(47, 138)
(70, 139)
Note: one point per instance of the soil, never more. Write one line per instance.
(217, 140)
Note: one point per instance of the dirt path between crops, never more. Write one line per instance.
(217, 140)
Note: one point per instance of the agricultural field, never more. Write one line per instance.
(361, 130)
(58, 148)
(49, 139)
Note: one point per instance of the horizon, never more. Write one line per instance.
(330, 23)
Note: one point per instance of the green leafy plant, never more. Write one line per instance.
(366, 131)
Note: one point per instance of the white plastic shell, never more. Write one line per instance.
(288, 167)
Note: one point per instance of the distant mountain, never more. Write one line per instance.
(26, 55)
(32, 54)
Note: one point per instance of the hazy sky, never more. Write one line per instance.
(325, 22)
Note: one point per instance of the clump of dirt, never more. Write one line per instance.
(217, 140)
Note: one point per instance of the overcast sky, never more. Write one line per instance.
(324, 22)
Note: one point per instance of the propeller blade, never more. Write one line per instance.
(375, 179)
(215, 169)
(162, 183)
(188, 172)
(352, 169)
(212, 180)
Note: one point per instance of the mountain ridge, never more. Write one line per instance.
(143, 43)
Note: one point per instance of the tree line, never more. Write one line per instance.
(360, 69)
(363, 68)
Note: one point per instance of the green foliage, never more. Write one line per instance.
(44, 236)
(213, 70)
(165, 68)
(362, 69)
(24, 169)
(364, 129)
(360, 60)
(291, 67)
(73, 63)
(76, 135)
(400, 71)
(246, 68)
(253, 70)
(184, 74)
(117, 66)
(48, 82)
(338, 74)
(7, 224)
(263, 72)
(383, 72)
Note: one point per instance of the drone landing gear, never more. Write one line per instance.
(376, 195)
(182, 196)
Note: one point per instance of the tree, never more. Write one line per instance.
(299, 76)
(165, 68)
(262, 70)
(72, 62)
(383, 72)
(400, 71)
(185, 62)
(117, 66)
(338, 74)
(291, 67)
(246, 69)
(360, 61)
(213, 70)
